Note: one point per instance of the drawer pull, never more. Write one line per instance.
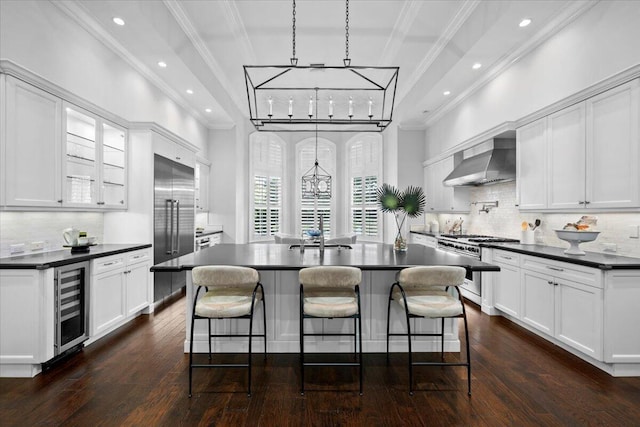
(550, 282)
(108, 263)
(506, 257)
(137, 256)
(555, 268)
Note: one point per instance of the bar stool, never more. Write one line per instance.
(422, 293)
(329, 292)
(230, 292)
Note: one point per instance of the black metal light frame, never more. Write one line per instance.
(301, 82)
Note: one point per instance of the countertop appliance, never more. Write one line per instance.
(174, 217)
(469, 245)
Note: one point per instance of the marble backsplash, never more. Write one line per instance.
(28, 227)
(505, 220)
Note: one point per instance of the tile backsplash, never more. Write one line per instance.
(505, 220)
(29, 227)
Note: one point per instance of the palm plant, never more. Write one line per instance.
(410, 202)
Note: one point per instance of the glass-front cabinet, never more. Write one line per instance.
(95, 161)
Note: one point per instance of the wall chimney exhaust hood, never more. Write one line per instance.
(491, 162)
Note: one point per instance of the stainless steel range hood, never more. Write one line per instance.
(491, 162)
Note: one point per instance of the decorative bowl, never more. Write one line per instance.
(313, 233)
(575, 238)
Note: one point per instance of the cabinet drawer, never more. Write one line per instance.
(506, 257)
(101, 265)
(214, 239)
(563, 270)
(138, 256)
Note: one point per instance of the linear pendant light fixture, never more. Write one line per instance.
(348, 98)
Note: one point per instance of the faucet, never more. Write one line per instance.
(321, 228)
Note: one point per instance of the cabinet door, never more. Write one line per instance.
(81, 154)
(566, 158)
(430, 187)
(613, 137)
(113, 174)
(452, 199)
(538, 300)
(33, 162)
(107, 300)
(531, 153)
(579, 317)
(506, 289)
(137, 276)
(202, 187)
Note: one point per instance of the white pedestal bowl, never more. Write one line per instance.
(575, 237)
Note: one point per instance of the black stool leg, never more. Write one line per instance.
(249, 361)
(193, 320)
(264, 320)
(388, 321)
(209, 323)
(410, 353)
(442, 338)
(301, 342)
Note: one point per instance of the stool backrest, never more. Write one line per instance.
(330, 277)
(431, 276)
(225, 276)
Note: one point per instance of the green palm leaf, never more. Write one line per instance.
(413, 201)
(389, 198)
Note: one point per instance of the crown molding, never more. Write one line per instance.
(201, 47)
(570, 13)
(202, 160)
(454, 25)
(496, 131)
(10, 68)
(405, 19)
(234, 19)
(80, 16)
(162, 131)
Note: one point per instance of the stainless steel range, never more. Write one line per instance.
(469, 245)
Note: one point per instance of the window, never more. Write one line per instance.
(364, 171)
(306, 152)
(267, 172)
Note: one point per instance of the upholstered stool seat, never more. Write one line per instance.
(231, 292)
(422, 292)
(330, 292)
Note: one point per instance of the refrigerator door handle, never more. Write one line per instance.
(169, 217)
(177, 226)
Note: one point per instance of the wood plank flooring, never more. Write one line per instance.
(138, 376)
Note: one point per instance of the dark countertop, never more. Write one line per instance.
(425, 233)
(367, 256)
(590, 259)
(207, 233)
(44, 260)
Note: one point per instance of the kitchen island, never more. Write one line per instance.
(278, 265)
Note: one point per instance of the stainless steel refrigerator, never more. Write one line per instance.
(174, 216)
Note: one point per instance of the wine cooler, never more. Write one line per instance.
(71, 306)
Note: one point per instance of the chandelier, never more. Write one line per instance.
(316, 182)
(293, 98)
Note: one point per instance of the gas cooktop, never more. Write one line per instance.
(478, 238)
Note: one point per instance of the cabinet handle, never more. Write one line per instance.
(122, 202)
(137, 256)
(506, 257)
(100, 203)
(555, 268)
(555, 283)
(60, 201)
(550, 282)
(177, 158)
(587, 202)
(109, 263)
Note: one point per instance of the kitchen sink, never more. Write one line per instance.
(316, 246)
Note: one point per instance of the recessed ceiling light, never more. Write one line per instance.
(525, 22)
(476, 65)
(162, 64)
(189, 91)
(208, 110)
(118, 21)
(446, 93)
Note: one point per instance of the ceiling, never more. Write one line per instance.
(435, 43)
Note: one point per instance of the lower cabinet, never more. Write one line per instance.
(120, 287)
(506, 284)
(425, 240)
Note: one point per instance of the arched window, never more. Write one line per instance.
(267, 170)
(364, 174)
(305, 159)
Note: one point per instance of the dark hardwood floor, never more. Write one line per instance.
(138, 376)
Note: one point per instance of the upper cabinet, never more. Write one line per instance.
(32, 146)
(59, 155)
(441, 198)
(583, 157)
(95, 161)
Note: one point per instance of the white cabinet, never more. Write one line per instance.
(120, 288)
(622, 317)
(59, 155)
(441, 198)
(422, 239)
(506, 283)
(173, 151)
(531, 161)
(585, 156)
(31, 165)
(95, 161)
(202, 177)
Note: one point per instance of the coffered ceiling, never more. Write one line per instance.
(435, 44)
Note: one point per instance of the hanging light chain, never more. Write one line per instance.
(294, 60)
(346, 60)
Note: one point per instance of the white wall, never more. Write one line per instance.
(38, 36)
(602, 42)
(410, 170)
